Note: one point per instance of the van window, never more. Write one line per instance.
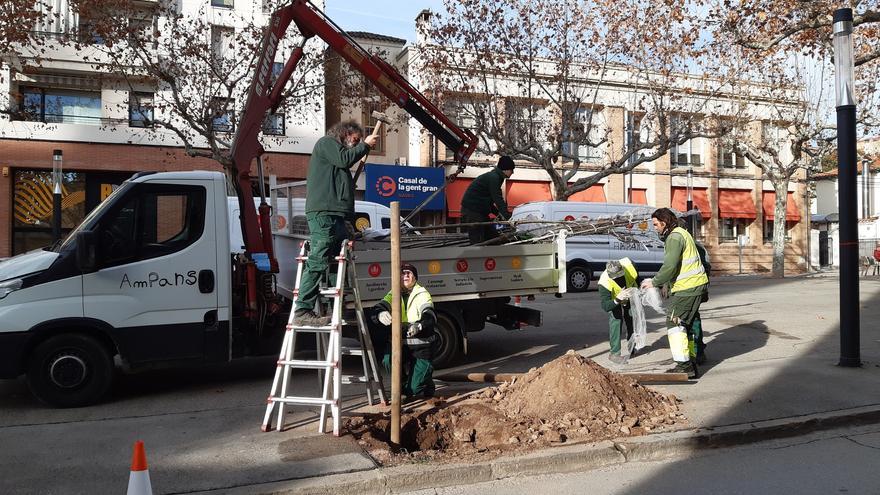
(386, 222)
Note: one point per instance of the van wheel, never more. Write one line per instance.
(70, 370)
(448, 347)
(578, 278)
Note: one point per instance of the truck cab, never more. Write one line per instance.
(143, 280)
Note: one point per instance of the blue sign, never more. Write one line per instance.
(408, 185)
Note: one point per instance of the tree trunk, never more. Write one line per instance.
(779, 228)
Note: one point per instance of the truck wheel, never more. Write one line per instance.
(448, 347)
(578, 278)
(70, 370)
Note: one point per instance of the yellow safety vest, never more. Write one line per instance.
(412, 306)
(629, 274)
(691, 274)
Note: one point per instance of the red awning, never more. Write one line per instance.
(700, 197)
(792, 213)
(523, 191)
(454, 192)
(735, 203)
(593, 194)
(639, 196)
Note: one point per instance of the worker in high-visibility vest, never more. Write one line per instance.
(683, 269)
(616, 284)
(417, 322)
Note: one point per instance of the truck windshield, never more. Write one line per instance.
(92, 217)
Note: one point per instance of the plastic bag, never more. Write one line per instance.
(637, 302)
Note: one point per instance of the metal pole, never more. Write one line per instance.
(692, 221)
(56, 195)
(396, 347)
(846, 162)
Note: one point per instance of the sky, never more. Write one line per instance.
(389, 17)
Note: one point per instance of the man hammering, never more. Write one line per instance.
(329, 204)
(683, 269)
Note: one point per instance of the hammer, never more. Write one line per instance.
(380, 118)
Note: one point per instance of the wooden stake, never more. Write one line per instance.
(396, 347)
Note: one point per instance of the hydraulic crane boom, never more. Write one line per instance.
(265, 96)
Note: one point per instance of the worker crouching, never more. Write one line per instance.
(417, 324)
(615, 286)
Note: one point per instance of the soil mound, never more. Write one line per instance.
(569, 399)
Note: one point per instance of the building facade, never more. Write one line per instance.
(736, 204)
(100, 121)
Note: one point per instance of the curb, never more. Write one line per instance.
(564, 459)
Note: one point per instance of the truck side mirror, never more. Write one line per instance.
(85, 250)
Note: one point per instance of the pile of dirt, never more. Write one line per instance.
(569, 399)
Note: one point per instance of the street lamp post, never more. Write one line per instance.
(56, 195)
(846, 163)
(691, 219)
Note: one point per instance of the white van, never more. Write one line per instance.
(368, 215)
(586, 255)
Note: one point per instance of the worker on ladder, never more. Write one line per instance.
(329, 205)
(616, 284)
(417, 325)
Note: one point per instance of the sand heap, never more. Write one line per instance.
(569, 399)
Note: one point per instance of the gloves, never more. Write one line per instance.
(413, 330)
(385, 318)
(624, 295)
(648, 283)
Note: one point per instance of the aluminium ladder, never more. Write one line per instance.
(329, 350)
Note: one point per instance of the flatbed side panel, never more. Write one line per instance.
(454, 271)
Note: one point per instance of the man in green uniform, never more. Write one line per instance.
(483, 197)
(417, 323)
(682, 269)
(329, 204)
(615, 286)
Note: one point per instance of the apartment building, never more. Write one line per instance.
(736, 205)
(66, 98)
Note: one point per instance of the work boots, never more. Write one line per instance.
(308, 318)
(689, 367)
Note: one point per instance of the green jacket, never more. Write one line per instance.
(483, 196)
(673, 249)
(329, 181)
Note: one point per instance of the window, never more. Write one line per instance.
(61, 106)
(731, 228)
(688, 153)
(226, 4)
(223, 118)
(580, 130)
(222, 42)
(277, 67)
(467, 115)
(140, 29)
(370, 105)
(728, 159)
(152, 221)
(86, 32)
(274, 124)
(526, 123)
(32, 205)
(140, 110)
(768, 231)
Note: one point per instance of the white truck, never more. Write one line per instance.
(148, 280)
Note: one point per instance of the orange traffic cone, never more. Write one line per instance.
(139, 480)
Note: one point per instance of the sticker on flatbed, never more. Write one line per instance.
(490, 264)
(375, 270)
(434, 267)
(461, 266)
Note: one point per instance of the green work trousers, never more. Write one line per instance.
(418, 374)
(616, 319)
(326, 233)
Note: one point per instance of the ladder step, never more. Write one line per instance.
(307, 365)
(347, 379)
(352, 351)
(305, 401)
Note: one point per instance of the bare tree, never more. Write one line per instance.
(545, 82)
